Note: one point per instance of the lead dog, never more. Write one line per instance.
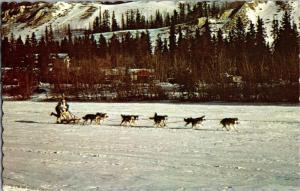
(229, 122)
(194, 121)
(129, 119)
(159, 120)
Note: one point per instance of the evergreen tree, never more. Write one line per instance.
(275, 31)
(260, 35)
(174, 18)
(239, 31)
(167, 20)
(250, 37)
(286, 54)
(138, 20)
(158, 20)
(165, 46)
(182, 13)
(158, 46)
(114, 25)
(123, 26)
(180, 38)
(105, 27)
(114, 47)
(96, 25)
(33, 43)
(27, 46)
(102, 46)
(70, 41)
(172, 37)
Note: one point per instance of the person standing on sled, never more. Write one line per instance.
(62, 110)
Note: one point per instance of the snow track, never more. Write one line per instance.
(41, 155)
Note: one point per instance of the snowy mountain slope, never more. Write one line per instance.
(80, 15)
(270, 10)
(267, 10)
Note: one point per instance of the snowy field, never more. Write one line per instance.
(42, 155)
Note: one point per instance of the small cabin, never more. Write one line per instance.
(141, 75)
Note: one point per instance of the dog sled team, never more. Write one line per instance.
(63, 115)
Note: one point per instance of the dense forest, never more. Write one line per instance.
(203, 63)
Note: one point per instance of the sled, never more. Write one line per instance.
(69, 117)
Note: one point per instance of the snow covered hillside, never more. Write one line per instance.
(80, 15)
(42, 155)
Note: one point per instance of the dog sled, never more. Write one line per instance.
(68, 117)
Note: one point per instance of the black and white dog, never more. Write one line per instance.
(194, 121)
(159, 120)
(91, 117)
(129, 119)
(227, 123)
(100, 117)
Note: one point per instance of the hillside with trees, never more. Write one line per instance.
(204, 65)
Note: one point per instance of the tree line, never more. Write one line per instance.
(200, 61)
(134, 19)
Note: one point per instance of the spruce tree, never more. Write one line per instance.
(114, 24)
(158, 46)
(172, 37)
(105, 27)
(96, 25)
(102, 46)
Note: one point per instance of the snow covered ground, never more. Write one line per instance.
(42, 155)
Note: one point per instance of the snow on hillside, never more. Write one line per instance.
(80, 15)
(163, 32)
(263, 155)
(269, 11)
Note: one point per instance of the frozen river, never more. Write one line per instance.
(42, 155)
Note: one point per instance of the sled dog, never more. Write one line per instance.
(100, 117)
(194, 121)
(159, 120)
(129, 119)
(91, 117)
(227, 123)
